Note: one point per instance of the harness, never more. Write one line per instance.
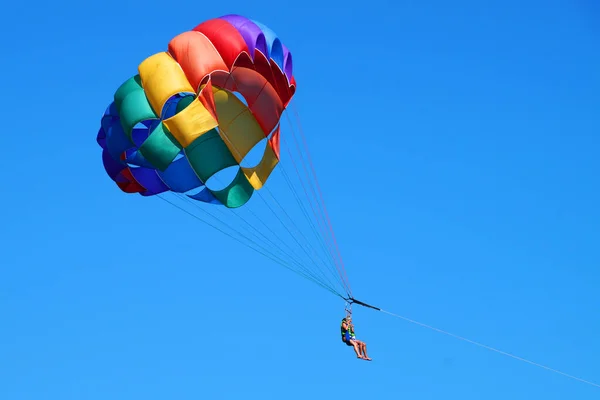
(350, 330)
(348, 308)
(342, 329)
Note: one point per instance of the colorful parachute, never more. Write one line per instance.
(199, 109)
(179, 121)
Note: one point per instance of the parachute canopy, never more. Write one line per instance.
(198, 109)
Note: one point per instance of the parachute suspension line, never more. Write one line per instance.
(319, 189)
(257, 232)
(289, 231)
(259, 249)
(305, 271)
(299, 264)
(267, 227)
(321, 203)
(325, 244)
(343, 282)
(291, 258)
(322, 242)
(323, 234)
(294, 237)
(464, 339)
(348, 308)
(308, 197)
(264, 224)
(224, 137)
(295, 255)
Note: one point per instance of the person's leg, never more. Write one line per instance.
(360, 346)
(363, 348)
(354, 345)
(356, 348)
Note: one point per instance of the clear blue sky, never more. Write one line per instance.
(457, 145)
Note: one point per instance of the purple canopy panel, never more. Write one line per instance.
(252, 34)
